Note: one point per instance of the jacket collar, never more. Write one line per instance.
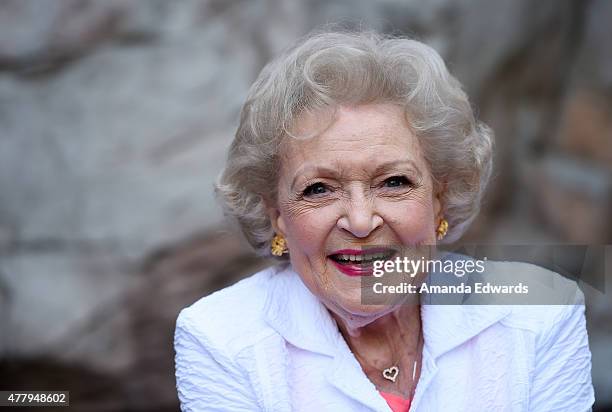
(301, 319)
(450, 320)
(298, 316)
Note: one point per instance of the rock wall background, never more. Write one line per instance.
(114, 121)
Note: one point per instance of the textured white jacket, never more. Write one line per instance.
(267, 344)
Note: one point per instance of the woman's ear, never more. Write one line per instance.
(437, 206)
(276, 219)
(438, 203)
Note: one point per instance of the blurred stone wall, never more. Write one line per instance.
(114, 121)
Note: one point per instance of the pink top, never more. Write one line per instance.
(396, 402)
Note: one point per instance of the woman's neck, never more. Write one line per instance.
(393, 339)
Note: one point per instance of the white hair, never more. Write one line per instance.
(326, 69)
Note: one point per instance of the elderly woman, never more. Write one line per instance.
(348, 142)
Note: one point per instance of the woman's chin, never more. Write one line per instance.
(356, 297)
(353, 309)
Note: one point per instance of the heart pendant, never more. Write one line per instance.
(391, 373)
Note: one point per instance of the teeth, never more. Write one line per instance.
(362, 258)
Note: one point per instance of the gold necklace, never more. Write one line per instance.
(391, 373)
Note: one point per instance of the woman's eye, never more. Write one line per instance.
(315, 189)
(396, 181)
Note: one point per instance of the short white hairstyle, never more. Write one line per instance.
(327, 69)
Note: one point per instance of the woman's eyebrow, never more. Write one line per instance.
(313, 169)
(395, 164)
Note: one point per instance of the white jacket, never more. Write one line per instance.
(267, 344)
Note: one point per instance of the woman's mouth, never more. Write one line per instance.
(355, 262)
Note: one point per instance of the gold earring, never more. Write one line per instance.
(278, 246)
(442, 229)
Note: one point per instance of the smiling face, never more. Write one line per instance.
(362, 182)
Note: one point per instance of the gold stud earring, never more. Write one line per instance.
(442, 229)
(278, 246)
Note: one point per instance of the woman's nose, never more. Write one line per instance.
(360, 218)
